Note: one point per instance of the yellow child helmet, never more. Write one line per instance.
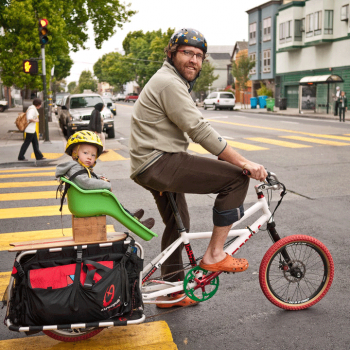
(81, 137)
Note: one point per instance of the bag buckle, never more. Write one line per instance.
(79, 256)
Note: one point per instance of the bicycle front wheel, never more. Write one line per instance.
(296, 272)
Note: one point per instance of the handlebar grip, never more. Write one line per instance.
(246, 172)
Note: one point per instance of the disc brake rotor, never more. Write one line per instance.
(197, 275)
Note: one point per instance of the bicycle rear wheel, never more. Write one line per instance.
(301, 282)
(72, 335)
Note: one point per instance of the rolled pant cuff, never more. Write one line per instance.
(227, 217)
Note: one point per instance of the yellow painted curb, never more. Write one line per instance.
(146, 336)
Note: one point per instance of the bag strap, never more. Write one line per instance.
(76, 282)
(91, 274)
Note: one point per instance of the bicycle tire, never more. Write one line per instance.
(303, 284)
(73, 335)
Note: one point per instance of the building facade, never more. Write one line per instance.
(262, 44)
(313, 40)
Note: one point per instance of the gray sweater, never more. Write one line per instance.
(164, 118)
(83, 180)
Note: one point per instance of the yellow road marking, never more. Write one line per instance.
(4, 281)
(110, 156)
(28, 212)
(195, 147)
(313, 140)
(8, 176)
(145, 336)
(277, 142)
(277, 129)
(24, 236)
(28, 184)
(27, 195)
(49, 155)
(245, 146)
(25, 170)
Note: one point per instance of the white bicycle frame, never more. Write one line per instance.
(161, 288)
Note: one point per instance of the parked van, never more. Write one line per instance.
(220, 100)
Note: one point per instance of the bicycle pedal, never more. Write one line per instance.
(229, 272)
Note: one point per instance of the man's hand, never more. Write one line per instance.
(257, 171)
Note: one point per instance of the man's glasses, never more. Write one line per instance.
(190, 54)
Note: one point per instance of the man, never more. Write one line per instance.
(336, 100)
(163, 119)
(343, 105)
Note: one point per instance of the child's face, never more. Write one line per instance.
(87, 154)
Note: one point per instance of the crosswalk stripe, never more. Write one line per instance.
(195, 147)
(4, 281)
(25, 170)
(335, 137)
(27, 195)
(28, 184)
(28, 212)
(278, 142)
(15, 237)
(49, 155)
(245, 146)
(9, 176)
(313, 140)
(111, 156)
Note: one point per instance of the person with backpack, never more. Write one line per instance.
(30, 131)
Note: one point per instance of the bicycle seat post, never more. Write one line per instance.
(180, 225)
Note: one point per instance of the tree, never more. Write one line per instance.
(67, 31)
(87, 82)
(72, 87)
(206, 78)
(240, 70)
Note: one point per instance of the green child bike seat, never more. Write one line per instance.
(84, 203)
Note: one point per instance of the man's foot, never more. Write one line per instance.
(229, 264)
(105, 151)
(139, 213)
(149, 223)
(185, 302)
(23, 160)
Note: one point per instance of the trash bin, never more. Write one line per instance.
(262, 101)
(283, 103)
(253, 102)
(270, 104)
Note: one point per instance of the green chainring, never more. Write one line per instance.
(202, 293)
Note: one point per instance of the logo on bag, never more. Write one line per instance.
(109, 295)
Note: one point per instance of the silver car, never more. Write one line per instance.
(76, 112)
(220, 100)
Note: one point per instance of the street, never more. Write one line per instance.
(310, 156)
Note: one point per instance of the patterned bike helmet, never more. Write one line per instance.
(189, 37)
(81, 137)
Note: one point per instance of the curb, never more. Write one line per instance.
(28, 164)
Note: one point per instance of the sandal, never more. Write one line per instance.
(184, 302)
(229, 264)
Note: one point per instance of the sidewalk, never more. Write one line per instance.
(11, 141)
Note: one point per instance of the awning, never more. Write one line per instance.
(322, 79)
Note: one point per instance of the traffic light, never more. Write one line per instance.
(30, 66)
(43, 31)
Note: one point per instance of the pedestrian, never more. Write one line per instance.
(85, 147)
(163, 119)
(336, 98)
(30, 131)
(96, 124)
(343, 105)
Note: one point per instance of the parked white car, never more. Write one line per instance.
(3, 105)
(220, 100)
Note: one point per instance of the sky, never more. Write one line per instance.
(222, 22)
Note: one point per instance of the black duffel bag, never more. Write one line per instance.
(79, 285)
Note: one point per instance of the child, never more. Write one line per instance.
(85, 147)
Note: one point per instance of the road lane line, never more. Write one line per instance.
(24, 236)
(111, 156)
(28, 212)
(278, 142)
(49, 155)
(10, 176)
(195, 147)
(245, 146)
(25, 170)
(19, 196)
(313, 140)
(4, 281)
(28, 184)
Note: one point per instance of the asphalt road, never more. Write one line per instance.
(313, 166)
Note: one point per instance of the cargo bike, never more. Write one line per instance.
(73, 288)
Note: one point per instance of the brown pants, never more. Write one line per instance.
(184, 173)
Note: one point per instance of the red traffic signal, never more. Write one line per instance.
(30, 66)
(43, 31)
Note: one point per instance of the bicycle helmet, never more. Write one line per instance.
(81, 137)
(189, 37)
